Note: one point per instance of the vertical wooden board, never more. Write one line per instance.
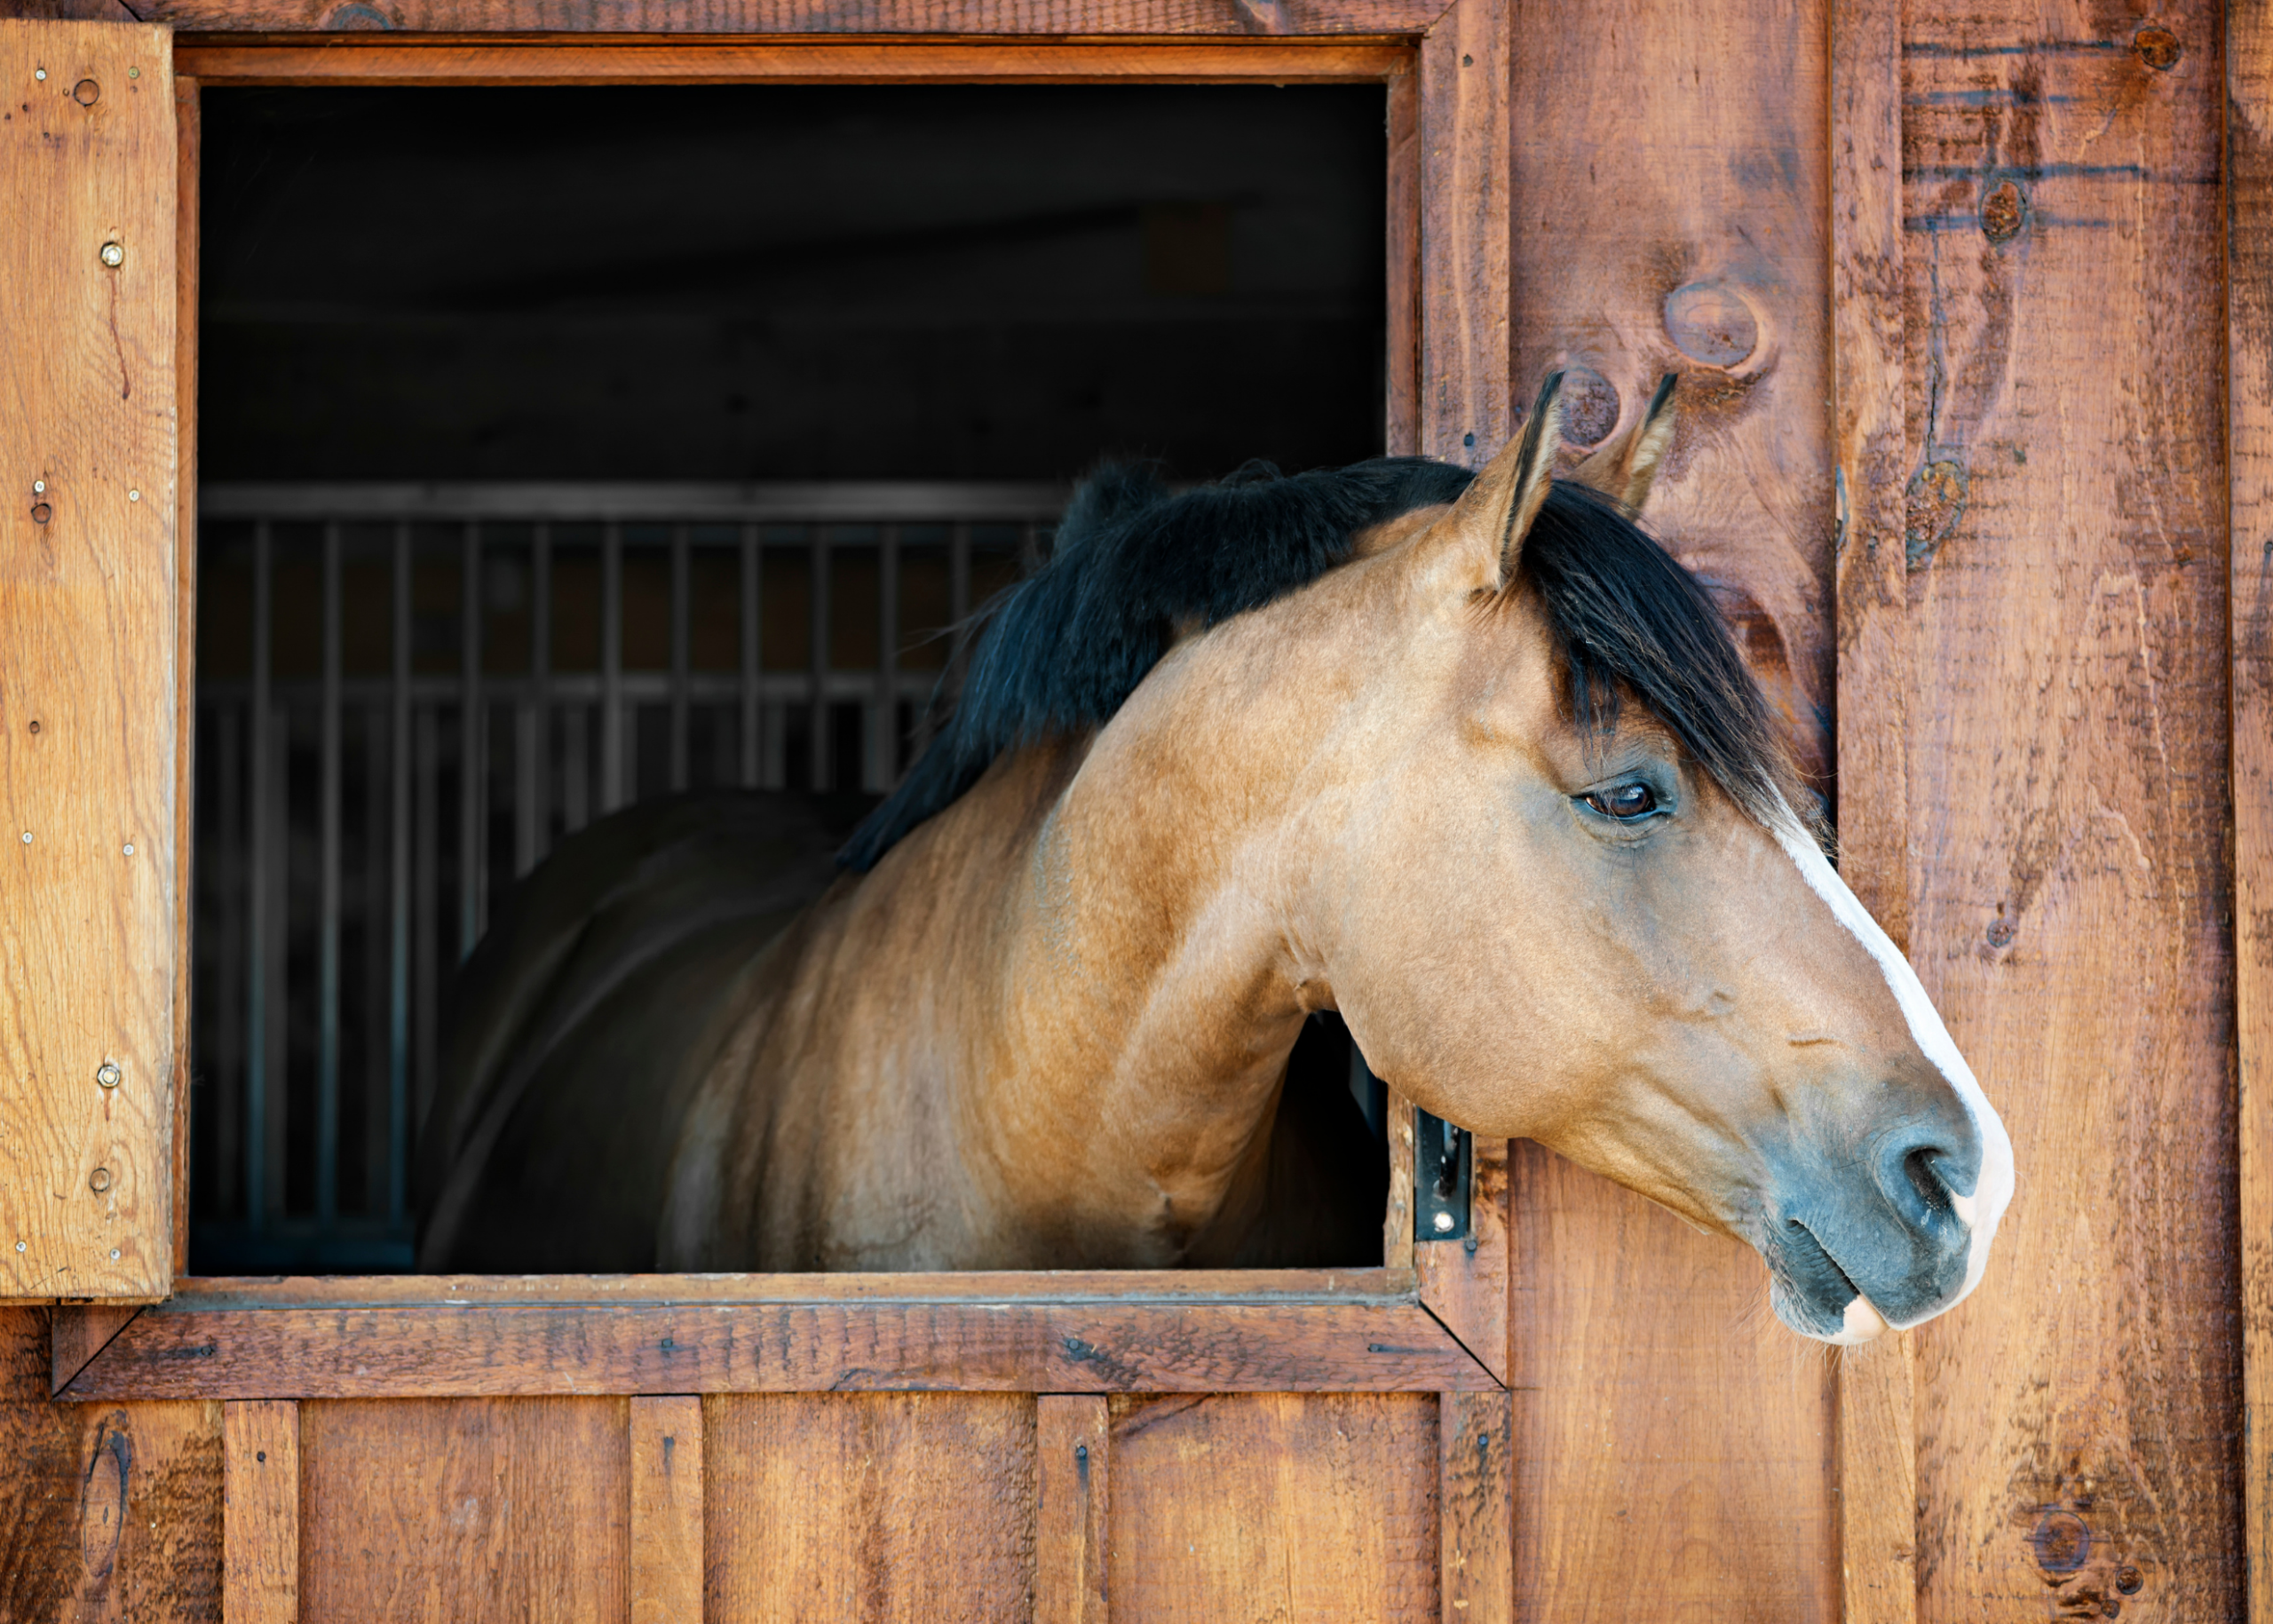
(1475, 1489)
(873, 1506)
(110, 1512)
(1667, 181)
(87, 614)
(2068, 800)
(260, 1511)
(1074, 1494)
(1401, 405)
(1321, 1507)
(1878, 1483)
(189, 128)
(1464, 1283)
(2249, 428)
(1464, 411)
(1669, 1462)
(667, 1496)
(454, 1509)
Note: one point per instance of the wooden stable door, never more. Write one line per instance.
(93, 744)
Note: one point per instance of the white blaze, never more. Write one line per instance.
(1980, 1211)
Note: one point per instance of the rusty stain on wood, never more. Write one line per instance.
(87, 617)
(1074, 1472)
(260, 1512)
(667, 1510)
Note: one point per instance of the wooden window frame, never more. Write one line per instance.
(1433, 1317)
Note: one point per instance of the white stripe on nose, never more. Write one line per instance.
(1992, 1191)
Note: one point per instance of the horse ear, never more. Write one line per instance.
(1623, 469)
(1508, 494)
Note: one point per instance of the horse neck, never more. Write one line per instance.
(1149, 984)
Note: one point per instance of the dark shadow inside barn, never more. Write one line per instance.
(562, 447)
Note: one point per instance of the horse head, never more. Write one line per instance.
(1569, 898)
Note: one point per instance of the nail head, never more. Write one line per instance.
(128, 848)
(38, 486)
(112, 255)
(98, 1180)
(113, 1254)
(28, 837)
(20, 1246)
(134, 72)
(109, 1075)
(39, 73)
(1444, 1220)
(134, 495)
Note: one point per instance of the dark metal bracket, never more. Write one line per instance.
(1444, 1170)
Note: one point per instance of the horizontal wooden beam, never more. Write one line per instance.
(392, 1339)
(618, 19)
(383, 58)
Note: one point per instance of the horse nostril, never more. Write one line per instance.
(1924, 1169)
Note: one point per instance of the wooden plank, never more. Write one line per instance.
(1877, 1433)
(666, 1507)
(1397, 1213)
(2069, 796)
(87, 614)
(189, 125)
(2249, 430)
(1464, 1283)
(471, 1508)
(1674, 1442)
(178, 1351)
(1401, 412)
(1465, 414)
(27, 1367)
(1073, 1474)
(1268, 1505)
(77, 1332)
(1006, 17)
(903, 1506)
(1476, 1494)
(110, 1512)
(362, 58)
(260, 1512)
(1878, 1483)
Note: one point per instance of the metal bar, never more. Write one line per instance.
(883, 736)
(575, 767)
(262, 841)
(398, 879)
(568, 688)
(681, 635)
(611, 668)
(817, 604)
(534, 810)
(752, 769)
(473, 758)
(229, 1046)
(376, 873)
(426, 921)
(276, 1038)
(857, 502)
(327, 898)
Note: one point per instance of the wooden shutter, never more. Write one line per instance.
(90, 470)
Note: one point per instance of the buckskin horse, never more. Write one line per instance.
(1468, 759)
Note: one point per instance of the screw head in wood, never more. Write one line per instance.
(98, 1180)
(28, 837)
(1444, 1220)
(20, 1246)
(38, 486)
(38, 73)
(134, 495)
(113, 1254)
(128, 848)
(109, 1075)
(134, 72)
(112, 255)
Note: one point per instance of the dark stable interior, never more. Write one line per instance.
(709, 284)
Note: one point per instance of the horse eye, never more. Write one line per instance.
(1626, 802)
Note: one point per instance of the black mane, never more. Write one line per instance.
(1061, 651)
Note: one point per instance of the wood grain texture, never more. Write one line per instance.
(1878, 1483)
(1675, 1448)
(189, 126)
(1242, 18)
(110, 1512)
(2069, 796)
(1398, 1211)
(260, 1512)
(1074, 1478)
(1270, 1506)
(87, 614)
(361, 59)
(1401, 410)
(2249, 430)
(871, 1507)
(1465, 414)
(470, 1508)
(256, 1347)
(1464, 1283)
(1672, 1461)
(1877, 1436)
(27, 1367)
(667, 1510)
(77, 1332)
(1476, 1492)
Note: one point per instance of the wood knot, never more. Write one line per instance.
(1589, 407)
(2003, 212)
(1932, 505)
(2157, 46)
(1710, 323)
(2063, 1544)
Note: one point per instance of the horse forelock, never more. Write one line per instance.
(1135, 563)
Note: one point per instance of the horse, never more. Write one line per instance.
(1467, 760)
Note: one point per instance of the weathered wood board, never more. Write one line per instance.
(88, 455)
